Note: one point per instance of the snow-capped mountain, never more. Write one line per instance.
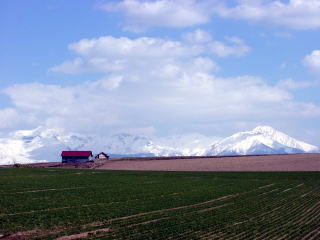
(261, 140)
(44, 144)
(37, 145)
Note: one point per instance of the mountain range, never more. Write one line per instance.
(45, 144)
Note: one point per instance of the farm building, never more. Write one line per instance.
(102, 156)
(76, 156)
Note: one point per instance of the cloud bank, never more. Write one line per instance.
(157, 84)
(141, 15)
(110, 54)
(294, 14)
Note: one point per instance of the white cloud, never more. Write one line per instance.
(198, 36)
(312, 61)
(81, 65)
(132, 48)
(160, 83)
(8, 117)
(237, 47)
(108, 54)
(141, 15)
(233, 46)
(292, 84)
(179, 96)
(74, 107)
(216, 96)
(186, 102)
(295, 14)
(108, 83)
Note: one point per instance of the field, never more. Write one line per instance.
(43, 203)
(256, 163)
(280, 162)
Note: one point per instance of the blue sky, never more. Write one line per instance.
(161, 67)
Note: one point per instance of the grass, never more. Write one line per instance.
(50, 203)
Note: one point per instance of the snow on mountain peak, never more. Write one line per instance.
(45, 144)
(264, 129)
(260, 140)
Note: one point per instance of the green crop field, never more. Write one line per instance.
(39, 203)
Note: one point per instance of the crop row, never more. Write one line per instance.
(159, 205)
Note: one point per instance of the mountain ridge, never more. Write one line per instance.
(45, 144)
(246, 143)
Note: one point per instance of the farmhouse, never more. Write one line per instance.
(76, 156)
(102, 156)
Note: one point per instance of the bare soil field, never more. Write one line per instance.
(280, 162)
(290, 162)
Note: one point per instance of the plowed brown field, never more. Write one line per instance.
(256, 163)
(291, 162)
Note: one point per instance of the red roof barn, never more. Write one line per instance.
(76, 156)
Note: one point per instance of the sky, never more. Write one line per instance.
(161, 67)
